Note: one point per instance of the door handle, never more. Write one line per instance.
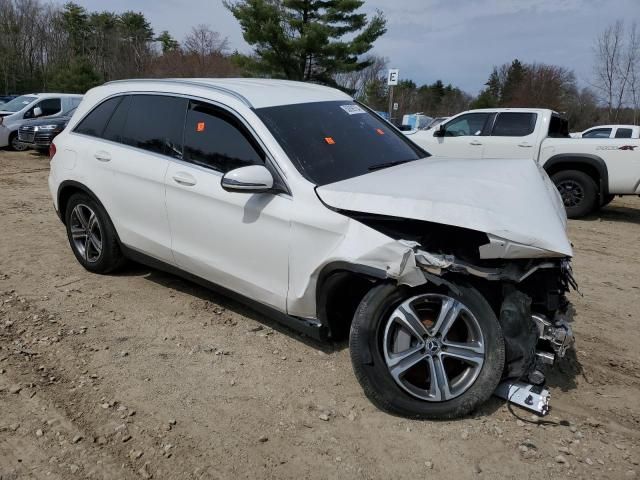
(475, 142)
(102, 156)
(185, 179)
(525, 145)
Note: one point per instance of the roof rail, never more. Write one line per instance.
(228, 91)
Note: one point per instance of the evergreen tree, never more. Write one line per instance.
(515, 76)
(167, 42)
(305, 39)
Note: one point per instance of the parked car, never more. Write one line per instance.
(447, 275)
(588, 172)
(38, 134)
(610, 131)
(27, 107)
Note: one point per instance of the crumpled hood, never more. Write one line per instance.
(509, 199)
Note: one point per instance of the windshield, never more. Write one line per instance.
(18, 104)
(332, 141)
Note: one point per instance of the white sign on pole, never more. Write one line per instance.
(395, 106)
(392, 77)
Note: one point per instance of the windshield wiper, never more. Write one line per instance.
(387, 164)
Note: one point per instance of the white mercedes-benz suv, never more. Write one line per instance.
(447, 275)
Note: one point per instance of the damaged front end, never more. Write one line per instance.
(528, 295)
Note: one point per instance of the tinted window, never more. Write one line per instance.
(623, 133)
(332, 141)
(154, 123)
(598, 133)
(558, 127)
(94, 123)
(513, 124)
(214, 138)
(50, 106)
(466, 125)
(115, 126)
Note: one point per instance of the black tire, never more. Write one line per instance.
(15, 145)
(110, 256)
(367, 357)
(578, 190)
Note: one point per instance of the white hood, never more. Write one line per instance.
(509, 199)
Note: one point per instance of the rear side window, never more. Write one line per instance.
(115, 126)
(623, 133)
(598, 133)
(512, 124)
(94, 123)
(154, 123)
(214, 138)
(50, 106)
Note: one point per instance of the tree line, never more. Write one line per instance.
(68, 48)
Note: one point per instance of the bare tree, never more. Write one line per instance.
(616, 61)
(203, 41)
(633, 62)
(357, 82)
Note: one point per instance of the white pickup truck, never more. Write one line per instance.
(588, 172)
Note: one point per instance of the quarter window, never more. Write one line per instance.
(154, 123)
(470, 124)
(624, 133)
(93, 124)
(214, 138)
(598, 133)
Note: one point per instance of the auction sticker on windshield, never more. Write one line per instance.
(352, 109)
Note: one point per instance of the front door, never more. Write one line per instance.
(463, 137)
(236, 240)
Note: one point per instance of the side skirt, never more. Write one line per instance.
(309, 327)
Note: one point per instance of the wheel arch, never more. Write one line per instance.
(339, 289)
(66, 189)
(591, 165)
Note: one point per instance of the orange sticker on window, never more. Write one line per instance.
(379, 131)
(200, 127)
(330, 140)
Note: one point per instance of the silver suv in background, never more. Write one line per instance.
(27, 107)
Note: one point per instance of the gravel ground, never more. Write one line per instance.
(144, 375)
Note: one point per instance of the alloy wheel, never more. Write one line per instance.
(86, 233)
(571, 192)
(433, 347)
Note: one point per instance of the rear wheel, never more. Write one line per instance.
(425, 354)
(91, 235)
(578, 191)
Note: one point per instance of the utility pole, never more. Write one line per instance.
(392, 80)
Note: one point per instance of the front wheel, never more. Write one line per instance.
(431, 355)
(16, 144)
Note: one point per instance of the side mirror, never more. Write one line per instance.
(251, 179)
(37, 112)
(439, 132)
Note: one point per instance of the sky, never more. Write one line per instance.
(456, 41)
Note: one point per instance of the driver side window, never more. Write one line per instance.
(50, 106)
(470, 124)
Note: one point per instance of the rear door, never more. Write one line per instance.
(131, 155)
(237, 240)
(464, 137)
(513, 135)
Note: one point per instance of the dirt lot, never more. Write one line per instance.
(141, 374)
